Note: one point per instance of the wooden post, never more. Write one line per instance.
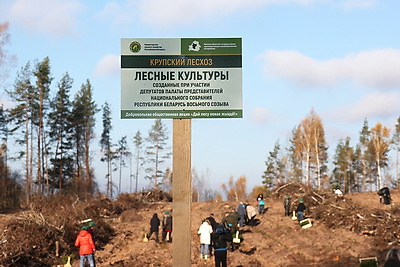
(181, 193)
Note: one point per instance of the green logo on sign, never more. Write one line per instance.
(135, 47)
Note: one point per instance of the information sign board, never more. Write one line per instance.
(181, 78)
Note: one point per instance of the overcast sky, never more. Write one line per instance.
(338, 57)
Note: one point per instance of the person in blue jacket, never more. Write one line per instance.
(241, 209)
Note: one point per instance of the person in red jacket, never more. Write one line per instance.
(86, 246)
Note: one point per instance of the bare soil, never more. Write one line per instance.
(343, 231)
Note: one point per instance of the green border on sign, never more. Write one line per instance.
(180, 114)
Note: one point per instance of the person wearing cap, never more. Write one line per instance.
(300, 210)
(91, 229)
(287, 204)
(230, 222)
(86, 246)
(167, 227)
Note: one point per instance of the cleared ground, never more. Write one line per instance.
(344, 230)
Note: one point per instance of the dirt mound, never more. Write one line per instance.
(39, 235)
(344, 230)
(368, 217)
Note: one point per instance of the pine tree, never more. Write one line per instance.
(107, 147)
(138, 143)
(156, 152)
(343, 173)
(83, 123)
(43, 82)
(273, 174)
(21, 115)
(60, 118)
(363, 154)
(121, 154)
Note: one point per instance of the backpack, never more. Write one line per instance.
(218, 240)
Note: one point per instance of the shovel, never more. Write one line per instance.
(68, 264)
(86, 221)
(236, 239)
(167, 238)
(145, 239)
(294, 217)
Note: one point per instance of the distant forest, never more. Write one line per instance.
(359, 168)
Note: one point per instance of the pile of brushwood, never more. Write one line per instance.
(44, 234)
(341, 212)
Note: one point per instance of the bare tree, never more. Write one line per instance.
(379, 147)
(310, 145)
(235, 190)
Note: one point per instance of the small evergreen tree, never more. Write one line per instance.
(156, 152)
(363, 155)
(121, 154)
(274, 172)
(343, 172)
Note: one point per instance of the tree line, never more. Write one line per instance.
(355, 168)
(52, 135)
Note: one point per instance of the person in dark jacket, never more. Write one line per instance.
(220, 237)
(300, 210)
(384, 193)
(212, 221)
(154, 226)
(91, 232)
(214, 225)
(230, 222)
(91, 229)
(392, 258)
(167, 227)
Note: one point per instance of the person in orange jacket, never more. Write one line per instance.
(86, 246)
